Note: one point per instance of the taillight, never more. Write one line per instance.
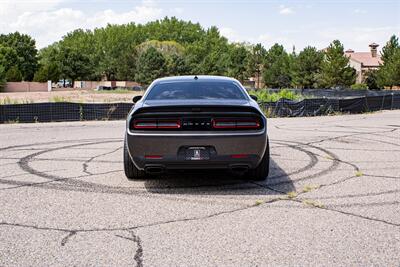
(236, 123)
(156, 124)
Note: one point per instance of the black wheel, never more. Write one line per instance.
(260, 173)
(131, 172)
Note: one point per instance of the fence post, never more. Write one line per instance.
(391, 106)
(49, 86)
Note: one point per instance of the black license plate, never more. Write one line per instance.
(197, 153)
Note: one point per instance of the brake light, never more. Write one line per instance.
(156, 124)
(236, 123)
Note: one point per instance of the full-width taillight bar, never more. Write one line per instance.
(156, 124)
(236, 123)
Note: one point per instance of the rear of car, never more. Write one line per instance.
(195, 123)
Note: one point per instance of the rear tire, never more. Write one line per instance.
(131, 172)
(260, 173)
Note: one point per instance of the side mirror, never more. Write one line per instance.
(254, 97)
(136, 98)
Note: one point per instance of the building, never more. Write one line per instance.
(363, 62)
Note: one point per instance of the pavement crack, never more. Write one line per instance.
(85, 164)
(66, 238)
(139, 248)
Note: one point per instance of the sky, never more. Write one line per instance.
(356, 23)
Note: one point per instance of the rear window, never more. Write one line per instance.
(196, 90)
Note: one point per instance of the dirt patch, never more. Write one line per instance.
(86, 96)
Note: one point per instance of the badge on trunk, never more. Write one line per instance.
(197, 153)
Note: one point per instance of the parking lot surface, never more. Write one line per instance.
(332, 198)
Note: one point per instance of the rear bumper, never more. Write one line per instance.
(167, 145)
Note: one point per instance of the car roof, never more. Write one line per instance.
(192, 77)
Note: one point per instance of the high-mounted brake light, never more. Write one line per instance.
(156, 124)
(236, 123)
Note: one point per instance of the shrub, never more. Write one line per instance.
(264, 96)
(13, 74)
(359, 86)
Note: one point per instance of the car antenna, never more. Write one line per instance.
(195, 77)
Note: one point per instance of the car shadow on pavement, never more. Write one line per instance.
(220, 183)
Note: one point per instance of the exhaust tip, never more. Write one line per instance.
(154, 169)
(239, 169)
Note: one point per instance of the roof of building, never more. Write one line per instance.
(365, 58)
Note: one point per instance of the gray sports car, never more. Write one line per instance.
(196, 123)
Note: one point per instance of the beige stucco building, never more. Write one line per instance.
(362, 62)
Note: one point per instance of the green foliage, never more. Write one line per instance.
(25, 58)
(238, 57)
(359, 86)
(13, 74)
(73, 64)
(177, 65)
(47, 72)
(335, 69)
(277, 73)
(389, 73)
(165, 47)
(8, 57)
(371, 80)
(264, 96)
(307, 67)
(2, 78)
(255, 62)
(151, 65)
(390, 48)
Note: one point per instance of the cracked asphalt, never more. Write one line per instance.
(332, 199)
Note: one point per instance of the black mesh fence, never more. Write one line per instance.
(337, 93)
(326, 106)
(47, 112)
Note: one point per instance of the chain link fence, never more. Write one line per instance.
(47, 112)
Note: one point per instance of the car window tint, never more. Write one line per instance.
(195, 90)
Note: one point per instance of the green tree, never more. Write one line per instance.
(238, 57)
(177, 65)
(8, 57)
(13, 74)
(2, 78)
(151, 65)
(25, 48)
(277, 72)
(73, 64)
(336, 71)
(307, 67)
(255, 62)
(47, 72)
(389, 73)
(371, 79)
(389, 49)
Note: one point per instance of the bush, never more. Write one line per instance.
(2, 79)
(13, 74)
(264, 96)
(359, 86)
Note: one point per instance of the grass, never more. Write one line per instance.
(359, 174)
(116, 91)
(264, 96)
(312, 203)
(258, 202)
(57, 99)
(10, 101)
(309, 188)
